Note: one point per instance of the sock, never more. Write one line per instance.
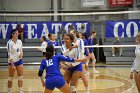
(9, 89)
(87, 88)
(20, 88)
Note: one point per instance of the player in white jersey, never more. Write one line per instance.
(15, 54)
(43, 45)
(135, 70)
(79, 43)
(73, 72)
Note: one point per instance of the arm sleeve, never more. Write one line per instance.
(41, 69)
(68, 59)
(42, 66)
(21, 50)
(9, 48)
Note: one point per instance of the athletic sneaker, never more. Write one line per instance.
(113, 55)
(10, 91)
(21, 92)
(87, 73)
(96, 72)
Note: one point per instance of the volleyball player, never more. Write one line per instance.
(43, 45)
(136, 65)
(79, 44)
(15, 54)
(84, 65)
(54, 78)
(74, 70)
(91, 54)
(53, 41)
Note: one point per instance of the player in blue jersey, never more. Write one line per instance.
(53, 41)
(54, 78)
(91, 54)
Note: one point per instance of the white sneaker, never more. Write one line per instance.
(87, 73)
(96, 72)
(21, 91)
(113, 55)
(10, 91)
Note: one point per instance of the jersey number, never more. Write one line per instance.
(49, 62)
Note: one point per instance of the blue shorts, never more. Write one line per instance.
(20, 62)
(76, 68)
(84, 62)
(54, 81)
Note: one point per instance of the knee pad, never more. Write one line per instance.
(10, 79)
(20, 78)
(93, 61)
(73, 88)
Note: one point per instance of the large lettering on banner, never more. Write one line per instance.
(126, 28)
(38, 29)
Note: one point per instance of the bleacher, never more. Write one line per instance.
(128, 53)
(31, 56)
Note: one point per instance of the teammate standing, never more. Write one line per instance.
(136, 65)
(15, 54)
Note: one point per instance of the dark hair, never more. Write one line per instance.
(13, 32)
(63, 36)
(92, 33)
(71, 37)
(49, 51)
(49, 35)
(44, 38)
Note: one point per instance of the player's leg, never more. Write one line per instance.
(84, 78)
(67, 76)
(137, 80)
(74, 80)
(113, 51)
(91, 55)
(10, 79)
(65, 88)
(47, 91)
(19, 69)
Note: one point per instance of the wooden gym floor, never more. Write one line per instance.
(112, 79)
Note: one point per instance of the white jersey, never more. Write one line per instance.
(80, 43)
(72, 54)
(43, 46)
(14, 49)
(136, 64)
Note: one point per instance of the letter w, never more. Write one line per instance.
(3, 30)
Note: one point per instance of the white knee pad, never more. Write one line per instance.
(94, 60)
(20, 78)
(10, 79)
(73, 88)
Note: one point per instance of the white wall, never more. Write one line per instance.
(27, 4)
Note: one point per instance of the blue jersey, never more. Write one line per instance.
(52, 65)
(55, 43)
(85, 44)
(47, 40)
(91, 43)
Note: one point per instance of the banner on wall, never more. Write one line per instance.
(92, 3)
(125, 28)
(115, 3)
(34, 30)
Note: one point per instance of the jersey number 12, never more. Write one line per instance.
(49, 62)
